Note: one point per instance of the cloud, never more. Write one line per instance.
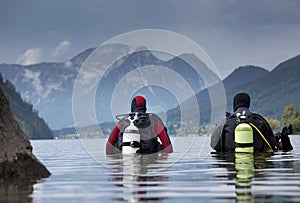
(61, 48)
(41, 91)
(68, 64)
(34, 78)
(227, 30)
(31, 56)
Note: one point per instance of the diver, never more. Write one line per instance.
(244, 131)
(153, 136)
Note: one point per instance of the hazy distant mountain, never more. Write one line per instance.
(158, 96)
(46, 85)
(49, 86)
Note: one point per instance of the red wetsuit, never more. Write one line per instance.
(157, 129)
(138, 104)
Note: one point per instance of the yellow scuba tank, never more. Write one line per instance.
(243, 137)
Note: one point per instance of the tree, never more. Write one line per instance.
(290, 115)
(274, 124)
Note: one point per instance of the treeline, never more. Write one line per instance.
(33, 126)
(88, 132)
(290, 115)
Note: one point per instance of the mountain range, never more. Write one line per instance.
(49, 86)
(270, 91)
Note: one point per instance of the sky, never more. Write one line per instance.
(232, 32)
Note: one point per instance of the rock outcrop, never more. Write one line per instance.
(16, 158)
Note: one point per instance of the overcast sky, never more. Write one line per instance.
(232, 32)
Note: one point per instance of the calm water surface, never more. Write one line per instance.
(82, 173)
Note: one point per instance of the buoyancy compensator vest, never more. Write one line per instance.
(136, 134)
(237, 134)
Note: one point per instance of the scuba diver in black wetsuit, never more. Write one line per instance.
(244, 131)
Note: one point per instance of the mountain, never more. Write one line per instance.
(44, 85)
(240, 76)
(243, 75)
(156, 83)
(270, 91)
(28, 118)
(49, 86)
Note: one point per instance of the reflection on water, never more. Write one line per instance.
(16, 191)
(133, 175)
(193, 177)
(264, 177)
(242, 168)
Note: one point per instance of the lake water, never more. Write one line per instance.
(82, 173)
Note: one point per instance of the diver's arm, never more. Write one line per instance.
(285, 140)
(216, 137)
(164, 138)
(113, 138)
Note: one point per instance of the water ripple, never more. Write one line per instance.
(184, 176)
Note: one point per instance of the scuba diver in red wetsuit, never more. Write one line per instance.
(148, 126)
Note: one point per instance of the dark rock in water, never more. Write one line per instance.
(16, 158)
(17, 191)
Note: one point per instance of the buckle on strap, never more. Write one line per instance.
(134, 144)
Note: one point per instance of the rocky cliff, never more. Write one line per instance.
(16, 158)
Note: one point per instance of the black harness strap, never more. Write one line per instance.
(134, 144)
(242, 145)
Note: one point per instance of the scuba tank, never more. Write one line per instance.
(131, 137)
(243, 136)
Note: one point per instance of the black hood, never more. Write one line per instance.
(241, 100)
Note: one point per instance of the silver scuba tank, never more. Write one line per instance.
(131, 137)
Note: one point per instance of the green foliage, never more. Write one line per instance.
(274, 123)
(28, 119)
(290, 115)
